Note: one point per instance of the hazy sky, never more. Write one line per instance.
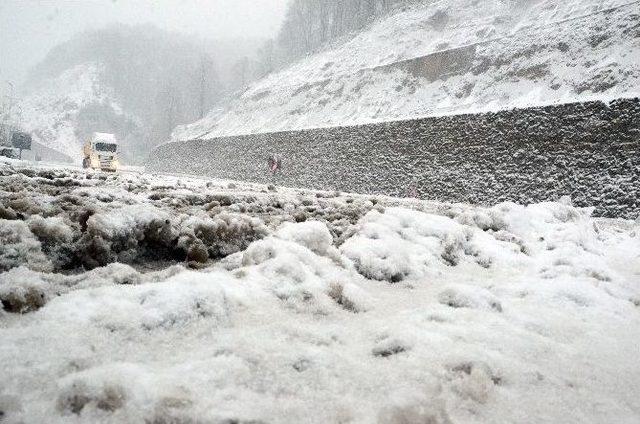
(30, 28)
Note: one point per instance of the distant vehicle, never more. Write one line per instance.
(101, 152)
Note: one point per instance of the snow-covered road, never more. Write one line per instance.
(164, 299)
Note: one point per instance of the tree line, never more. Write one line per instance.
(160, 78)
(309, 25)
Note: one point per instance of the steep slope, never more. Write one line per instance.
(448, 57)
(138, 82)
(55, 113)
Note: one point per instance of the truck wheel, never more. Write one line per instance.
(85, 163)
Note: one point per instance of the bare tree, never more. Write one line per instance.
(309, 24)
(241, 69)
(204, 84)
(266, 57)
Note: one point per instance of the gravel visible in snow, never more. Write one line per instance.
(237, 303)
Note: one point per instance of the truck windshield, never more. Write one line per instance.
(106, 147)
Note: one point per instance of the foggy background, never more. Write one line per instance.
(30, 28)
(141, 68)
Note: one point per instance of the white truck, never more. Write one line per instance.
(101, 152)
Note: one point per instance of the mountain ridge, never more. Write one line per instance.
(138, 82)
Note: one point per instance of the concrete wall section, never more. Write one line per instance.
(589, 151)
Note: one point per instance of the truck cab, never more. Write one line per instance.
(101, 152)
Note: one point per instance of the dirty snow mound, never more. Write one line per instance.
(371, 309)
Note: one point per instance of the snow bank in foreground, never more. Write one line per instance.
(401, 243)
(414, 314)
(129, 234)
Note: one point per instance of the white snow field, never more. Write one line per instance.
(294, 306)
(447, 57)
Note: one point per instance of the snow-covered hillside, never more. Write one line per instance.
(137, 82)
(51, 111)
(245, 303)
(448, 56)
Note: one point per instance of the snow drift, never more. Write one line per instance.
(370, 309)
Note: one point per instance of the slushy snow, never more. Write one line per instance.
(415, 312)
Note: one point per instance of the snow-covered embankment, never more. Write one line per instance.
(343, 308)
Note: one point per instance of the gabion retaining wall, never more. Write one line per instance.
(589, 151)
